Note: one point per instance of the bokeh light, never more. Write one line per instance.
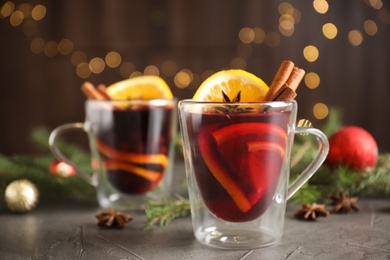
(151, 70)
(7, 9)
(38, 12)
(320, 111)
(78, 57)
(82, 70)
(329, 30)
(370, 27)
(183, 78)
(355, 37)
(246, 35)
(97, 65)
(312, 80)
(169, 68)
(16, 18)
(37, 45)
(311, 53)
(113, 59)
(259, 35)
(65, 46)
(321, 6)
(51, 49)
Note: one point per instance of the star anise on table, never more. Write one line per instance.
(343, 203)
(113, 219)
(312, 211)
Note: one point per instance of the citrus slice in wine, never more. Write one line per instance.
(231, 82)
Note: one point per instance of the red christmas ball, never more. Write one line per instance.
(354, 147)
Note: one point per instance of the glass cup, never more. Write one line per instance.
(131, 144)
(237, 160)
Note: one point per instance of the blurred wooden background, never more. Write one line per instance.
(40, 86)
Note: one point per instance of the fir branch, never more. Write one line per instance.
(307, 194)
(164, 212)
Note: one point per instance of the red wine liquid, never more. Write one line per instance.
(237, 159)
(133, 145)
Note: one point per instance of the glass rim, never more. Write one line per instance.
(275, 103)
(157, 101)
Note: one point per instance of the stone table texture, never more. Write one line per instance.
(70, 232)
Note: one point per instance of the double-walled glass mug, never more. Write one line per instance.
(131, 144)
(237, 160)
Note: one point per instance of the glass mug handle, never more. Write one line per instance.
(57, 132)
(315, 164)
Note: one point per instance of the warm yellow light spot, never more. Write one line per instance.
(285, 8)
(370, 27)
(286, 27)
(183, 78)
(297, 16)
(272, 39)
(246, 35)
(377, 4)
(82, 70)
(65, 46)
(311, 53)
(25, 8)
(7, 9)
(329, 30)
(97, 65)
(38, 12)
(320, 111)
(321, 6)
(78, 57)
(30, 27)
(259, 35)
(113, 59)
(169, 68)
(51, 49)
(238, 63)
(312, 80)
(151, 70)
(384, 16)
(355, 37)
(126, 68)
(16, 18)
(136, 74)
(37, 45)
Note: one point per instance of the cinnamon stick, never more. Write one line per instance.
(91, 92)
(288, 94)
(295, 78)
(102, 89)
(280, 79)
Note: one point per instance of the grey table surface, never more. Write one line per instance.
(69, 231)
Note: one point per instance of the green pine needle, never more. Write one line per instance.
(164, 212)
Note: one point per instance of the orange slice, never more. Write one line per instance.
(232, 81)
(222, 175)
(142, 172)
(143, 87)
(227, 133)
(132, 157)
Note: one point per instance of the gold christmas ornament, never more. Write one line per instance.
(21, 196)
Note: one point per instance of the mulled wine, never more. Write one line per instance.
(133, 144)
(237, 159)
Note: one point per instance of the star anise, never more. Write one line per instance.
(113, 219)
(312, 211)
(233, 108)
(343, 203)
